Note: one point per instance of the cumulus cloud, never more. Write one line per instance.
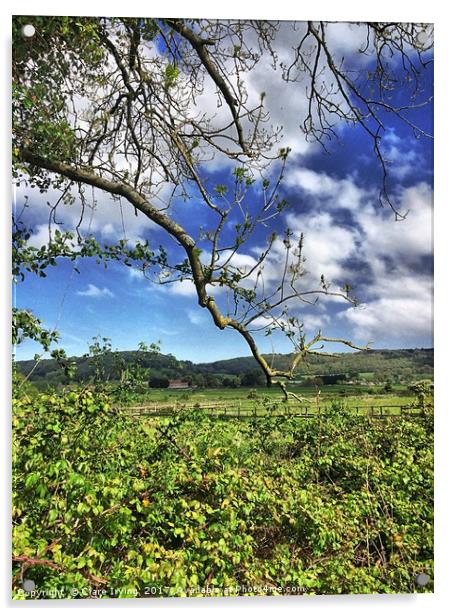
(285, 101)
(183, 288)
(327, 245)
(109, 219)
(407, 240)
(395, 278)
(332, 192)
(317, 321)
(287, 107)
(385, 320)
(403, 156)
(135, 274)
(180, 288)
(387, 263)
(346, 39)
(42, 235)
(96, 292)
(312, 322)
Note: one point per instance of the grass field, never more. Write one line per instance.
(269, 401)
(352, 395)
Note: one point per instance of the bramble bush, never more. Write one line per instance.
(105, 504)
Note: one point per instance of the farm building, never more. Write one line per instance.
(177, 384)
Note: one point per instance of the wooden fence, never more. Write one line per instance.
(219, 411)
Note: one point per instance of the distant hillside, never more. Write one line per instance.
(48, 369)
(387, 360)
(400, 364)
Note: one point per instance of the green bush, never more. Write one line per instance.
(109, 504)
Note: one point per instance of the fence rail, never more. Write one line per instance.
(220, 412)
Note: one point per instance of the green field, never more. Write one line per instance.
(244, 398)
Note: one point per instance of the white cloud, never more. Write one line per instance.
(135, 274)
(315, 321)
(97, 292)
(285, 101)
(383, 260)
(261, 322)
(398, 290)
(311, 322)
(334, 193)
(110, 219)
(184, 288)
(286, 104)
(402, 157)
(238, 260)
(345, 39)
(406, 319)
(196, 317)
(319, 184)
(409, 239)
(41, 235)
(327, 245)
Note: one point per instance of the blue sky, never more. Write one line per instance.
(333, 200)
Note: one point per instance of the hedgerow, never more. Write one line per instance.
(105, 504)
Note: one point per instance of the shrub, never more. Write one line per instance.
(336, 504)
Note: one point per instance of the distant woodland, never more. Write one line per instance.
(379, 366)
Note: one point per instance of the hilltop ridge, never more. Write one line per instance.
(378, 364)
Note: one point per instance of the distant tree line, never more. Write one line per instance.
(251, 378)
(390, 366)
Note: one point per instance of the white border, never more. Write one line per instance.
(343, 10)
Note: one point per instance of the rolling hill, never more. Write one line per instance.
(405, 364)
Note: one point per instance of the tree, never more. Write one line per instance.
(252, 378)
(158, 382)
(233, 382)
(117, 104)
(212, 381)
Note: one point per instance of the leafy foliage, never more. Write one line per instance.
(27, 325)
(108, 504)
(131, 374)
(41, 67)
